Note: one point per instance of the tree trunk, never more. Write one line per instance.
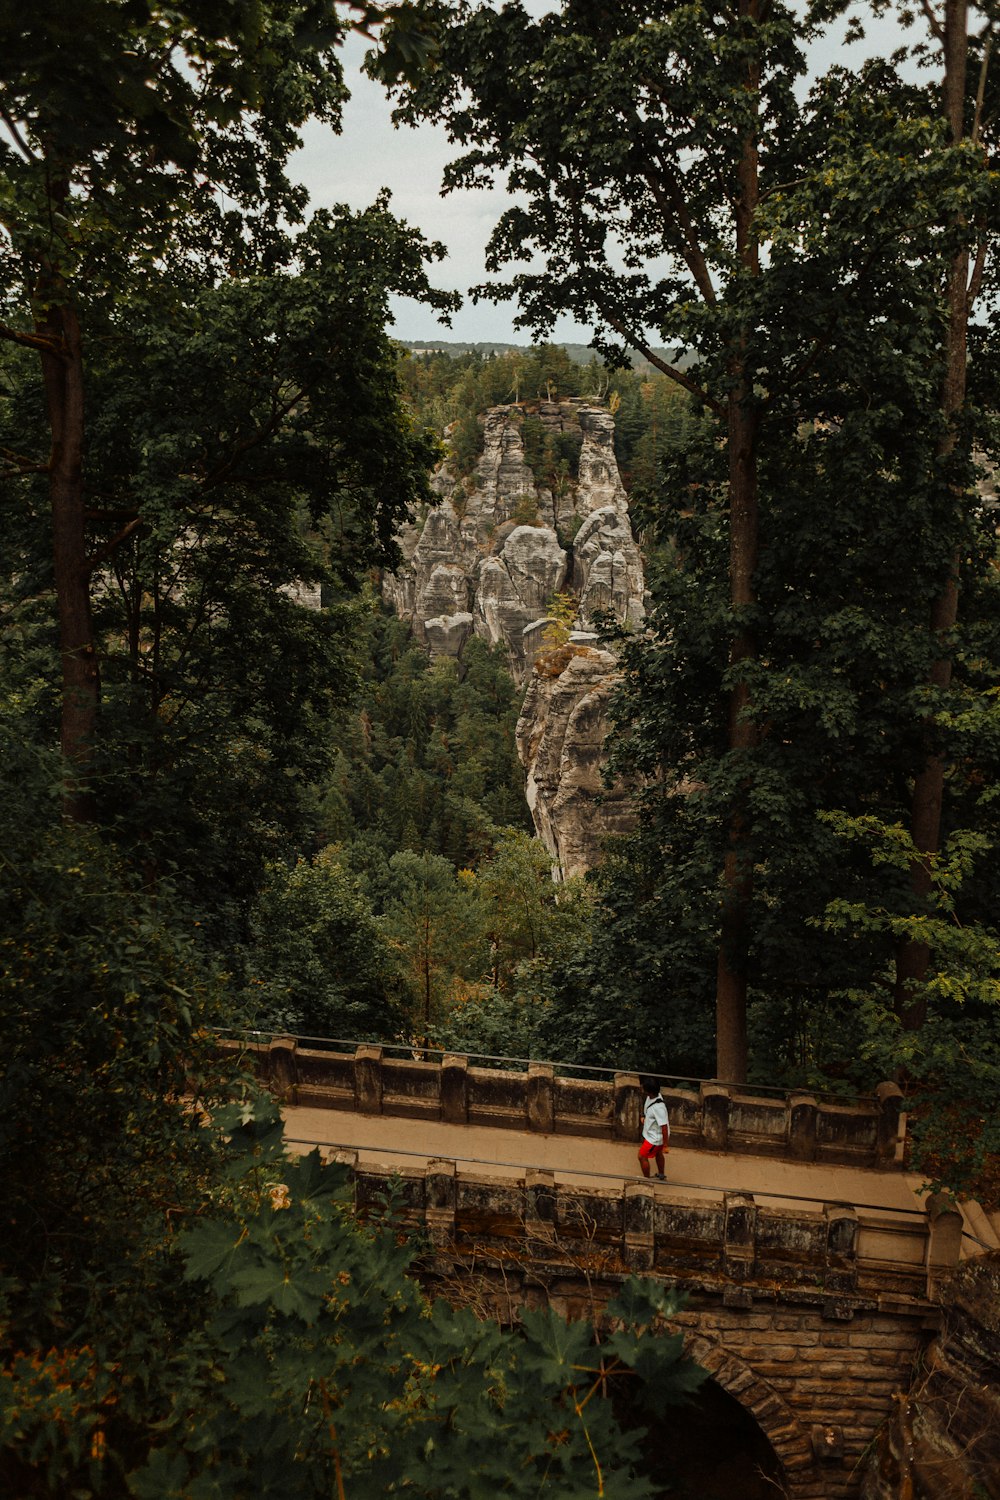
(737, 874)
(62, 373)
(913, 958)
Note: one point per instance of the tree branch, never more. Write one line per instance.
(22, 470)
(31, 340)
(18, 138)
(640, 345)
(976, 280)
(676, 204)
(103, 553)
(977, 122)
(937, 30)
(21, 464)
(278, 413)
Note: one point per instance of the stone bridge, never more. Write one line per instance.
(808, 1256)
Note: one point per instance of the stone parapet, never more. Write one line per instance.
(712, 1117)
(734, 1241)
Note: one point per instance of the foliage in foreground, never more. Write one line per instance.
(337, 1374)
(317, 1367)
(187, 1312)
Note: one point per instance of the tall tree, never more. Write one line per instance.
(431, 920)
(962, 110)
(140, 150)
(120, 130)
(657, 135)
(619, 167)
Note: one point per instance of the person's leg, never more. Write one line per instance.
(645, 1150)
(659, 1163)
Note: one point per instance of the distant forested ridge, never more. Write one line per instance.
(580, 354)
(448, 391)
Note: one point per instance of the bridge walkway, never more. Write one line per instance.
(586, 1162)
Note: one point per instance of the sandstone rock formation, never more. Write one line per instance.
(560, 741)
(491, 558)
(943, 1441)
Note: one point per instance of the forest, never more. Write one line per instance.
(238, 797)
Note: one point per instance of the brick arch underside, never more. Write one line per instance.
(791, 1442)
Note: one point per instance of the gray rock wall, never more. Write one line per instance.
(489, 559)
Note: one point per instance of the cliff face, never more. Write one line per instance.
(943, 1441)
(490, 558)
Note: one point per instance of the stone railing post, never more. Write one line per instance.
(637, 1224)
(944, 1237)
(626, 1121)
(539, 1208)
(889, 1097)
(368, 1080)
(281, 1069)
(841, 1246)
(440, 1201)
(455, 1089)
(540, 1098)
(740, 1235)
(802, 1112)
(715, 1099)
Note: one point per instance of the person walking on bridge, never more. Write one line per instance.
(655, 1129)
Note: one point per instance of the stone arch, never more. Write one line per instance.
(791, 1442)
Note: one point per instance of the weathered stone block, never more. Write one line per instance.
(497, 1098)
(841, 1231)
(891, 1103)
(343, 1157)
(737, 1296)
(845, 1132)
(368, 1080)
(281, 1068)
(582, 1106)
(541, 1098)
(454, 1089)
(685, 1108)
(490, 1209)
(440, 1200)
(715, 1100)
(589, 1216)
(324, 1079)
(740, 1235)
(944, 1245)
(758, 1125)
(802, 1112)
(411, 1088)
(627, 1110)
(638, 1203)
(540, 1205)
(828, 1442)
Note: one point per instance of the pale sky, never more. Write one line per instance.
(370, 153)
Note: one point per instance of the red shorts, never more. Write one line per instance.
(647, 1149)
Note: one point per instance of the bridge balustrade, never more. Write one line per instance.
(711, 1116)
(732, 1240)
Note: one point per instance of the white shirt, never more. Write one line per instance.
(655, 1121)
